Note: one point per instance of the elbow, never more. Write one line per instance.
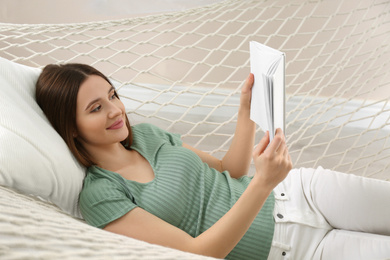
(236, 169)
(211, 247)
(220, 166)
(238, 173)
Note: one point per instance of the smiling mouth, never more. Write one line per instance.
(118, 124)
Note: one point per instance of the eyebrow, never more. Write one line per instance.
(97, 99)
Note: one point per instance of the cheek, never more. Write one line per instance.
(120, 105)
(87, 127)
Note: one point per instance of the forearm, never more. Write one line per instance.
(238, 157)
(224, 235)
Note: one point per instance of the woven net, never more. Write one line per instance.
(32, 229)
(184, 71)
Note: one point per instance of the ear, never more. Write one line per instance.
(75, 134)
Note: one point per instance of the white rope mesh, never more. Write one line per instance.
(32, 229)
(183, 71)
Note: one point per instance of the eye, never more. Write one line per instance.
(96, 109)
(113, 96)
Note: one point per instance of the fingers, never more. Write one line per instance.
(277, 142)
(282, 150)
(262, 145)
(272, 159)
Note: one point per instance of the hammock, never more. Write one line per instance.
(183, 71)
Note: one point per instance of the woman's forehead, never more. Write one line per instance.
(94, 87)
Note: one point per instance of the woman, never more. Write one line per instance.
(145, 183)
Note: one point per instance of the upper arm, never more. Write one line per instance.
(142, 225)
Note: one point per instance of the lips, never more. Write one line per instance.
(116, 125)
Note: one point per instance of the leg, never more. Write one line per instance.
(319, 201)
(341, 244)
(350, 202)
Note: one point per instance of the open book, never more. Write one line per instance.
(268, 92)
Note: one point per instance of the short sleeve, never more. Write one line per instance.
(103, 201)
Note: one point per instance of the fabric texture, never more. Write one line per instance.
(185, 192)
(330, 215)
(33, 157)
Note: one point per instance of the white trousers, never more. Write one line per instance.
(322, 214)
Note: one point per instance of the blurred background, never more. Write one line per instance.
(75, 11)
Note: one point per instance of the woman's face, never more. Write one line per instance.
(100, 115)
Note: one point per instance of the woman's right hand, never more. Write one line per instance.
(272, 160)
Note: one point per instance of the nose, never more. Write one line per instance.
(114, 110)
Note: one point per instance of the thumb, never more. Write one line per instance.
(246, 91)
(248, 84)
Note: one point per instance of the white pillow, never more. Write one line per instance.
(33, 157)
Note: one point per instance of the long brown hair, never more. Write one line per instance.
(56, 93)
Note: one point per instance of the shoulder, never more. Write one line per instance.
(97, 186)
(150, 133)
(146, 128)
(103, 199)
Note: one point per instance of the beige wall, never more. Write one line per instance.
(71, 11)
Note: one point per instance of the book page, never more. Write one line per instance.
(279, 97)
(267, 105)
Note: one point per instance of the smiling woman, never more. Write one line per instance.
(86, 94)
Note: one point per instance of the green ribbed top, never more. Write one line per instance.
(185, 192)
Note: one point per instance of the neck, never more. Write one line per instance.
(112, 157)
